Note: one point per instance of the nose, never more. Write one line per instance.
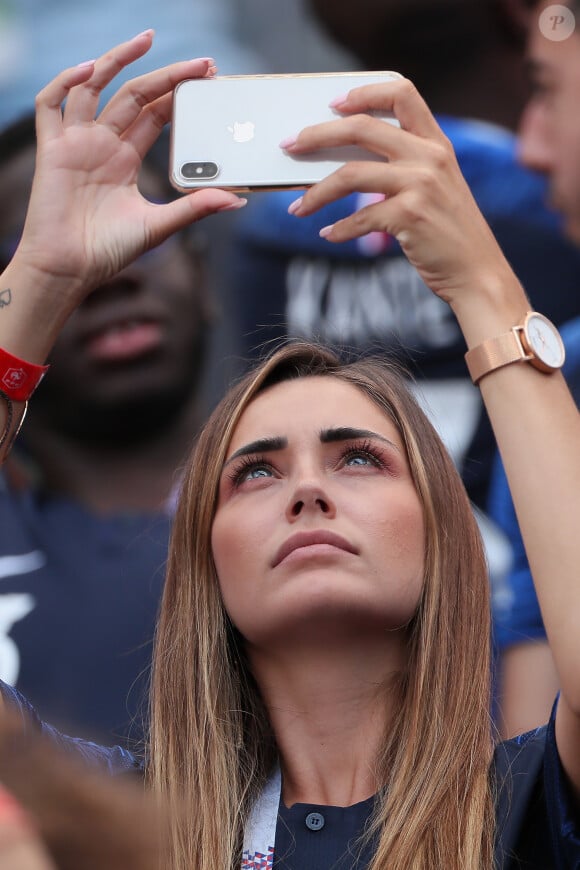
(310, 496)
(534, 148)
(127, 283)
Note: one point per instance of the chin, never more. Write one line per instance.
(572, 229)
(319, 615)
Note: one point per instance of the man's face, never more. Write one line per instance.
(550, 124)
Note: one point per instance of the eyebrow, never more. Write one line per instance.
(261, 445)
(348, 433)
(327, 436)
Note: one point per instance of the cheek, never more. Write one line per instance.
(573, 161)
(401, 537)
(566, 135)
(236, 553)
(224, 550)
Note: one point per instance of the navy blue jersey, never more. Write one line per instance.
(537, 823)
(79, 595)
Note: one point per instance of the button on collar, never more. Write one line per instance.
(314, 821)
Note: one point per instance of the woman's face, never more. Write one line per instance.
(319, 528)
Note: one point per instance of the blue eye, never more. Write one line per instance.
(250, 469)
(257, 471)
(359, 459)
(362, 456)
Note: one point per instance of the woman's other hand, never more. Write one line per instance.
(427, 204)
(87, 218)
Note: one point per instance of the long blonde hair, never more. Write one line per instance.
(211, 740)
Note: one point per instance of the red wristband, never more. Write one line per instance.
(18, 378)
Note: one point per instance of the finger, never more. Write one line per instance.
(362, 177)
(379, 217)
(82, 102)
(400, 97)
(149, 124)
(125, 106)
(49, 100)
(375, 135)
(180, 213)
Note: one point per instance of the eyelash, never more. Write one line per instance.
(367, 449)
(249, 463)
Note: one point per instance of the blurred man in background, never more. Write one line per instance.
(86, 497)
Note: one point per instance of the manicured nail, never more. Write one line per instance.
(326, 231)
(233, 206)
(288, 143)
(85, 63)
(295, 206)
(338, 101)
(11, 811)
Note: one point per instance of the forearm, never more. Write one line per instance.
(32, 313)
(537, 427)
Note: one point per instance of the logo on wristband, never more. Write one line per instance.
(14, 379)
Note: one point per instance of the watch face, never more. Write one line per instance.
(544, 341)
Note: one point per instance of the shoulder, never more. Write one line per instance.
(517, 768)
(517, 763)
(113, 759)
(534, 803)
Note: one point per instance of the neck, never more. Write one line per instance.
(107, 479)
(329, 709)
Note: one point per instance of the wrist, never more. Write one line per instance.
(18, 377)
(493, 306)
(33, 309)
(535, 341)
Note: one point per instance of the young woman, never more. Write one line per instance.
(321, 681)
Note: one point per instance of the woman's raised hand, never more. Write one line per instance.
(428, 206)
(87, 219)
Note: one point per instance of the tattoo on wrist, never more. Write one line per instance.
(5, 297)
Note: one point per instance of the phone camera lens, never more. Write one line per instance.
(199, 170)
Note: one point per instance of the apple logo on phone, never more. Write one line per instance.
(242, 131)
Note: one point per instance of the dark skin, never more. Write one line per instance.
(97, 456)
(464, 56)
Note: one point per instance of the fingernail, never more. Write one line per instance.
(148, 32)
(11, 811)
(338, 101)
(288, 143)
(233, 206)
(85, 63)
(326, 231)
(294, 206)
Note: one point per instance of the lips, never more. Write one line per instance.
(124, 340)
(309, 539)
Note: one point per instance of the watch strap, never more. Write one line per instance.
(494, 353)
(18, 378)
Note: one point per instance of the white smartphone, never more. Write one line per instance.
(226, 131)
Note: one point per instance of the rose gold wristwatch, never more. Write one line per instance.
(536, 341)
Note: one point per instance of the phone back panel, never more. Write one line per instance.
(234, 125)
